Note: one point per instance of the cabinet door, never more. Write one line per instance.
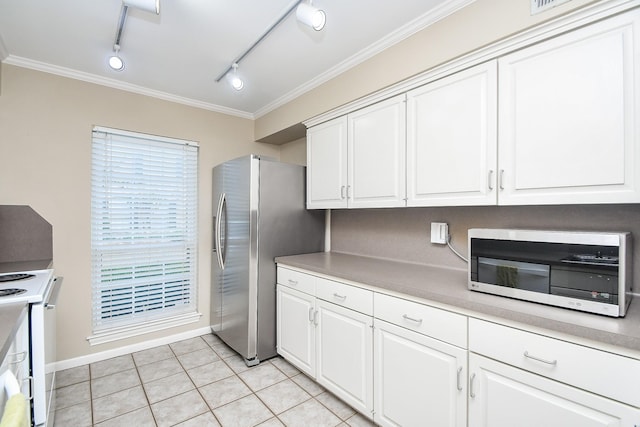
(296, 338)
(327, 165)
(345, 355)
(377, 151)
(452, 140)
(419, 381)
(569, 119)
(503, 396)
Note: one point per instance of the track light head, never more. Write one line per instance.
(152, 6)
(234, 79)
(311, 16)
(115, 62)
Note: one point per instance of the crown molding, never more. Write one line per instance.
(117, 84)
(420, 23)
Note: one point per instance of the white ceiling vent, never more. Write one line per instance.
(538, 6)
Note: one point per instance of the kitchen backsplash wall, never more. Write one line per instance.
(405, 234)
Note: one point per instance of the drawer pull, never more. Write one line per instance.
(342, 297)
(310, 314)
(411, 319)
(293, 282)
(472, 392)
(459, 384)
(548, 362)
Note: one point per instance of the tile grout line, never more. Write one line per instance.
(144, 390)
(194, 384)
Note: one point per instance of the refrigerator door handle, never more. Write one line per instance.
(217, 242)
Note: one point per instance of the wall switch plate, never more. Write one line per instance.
(439, 232)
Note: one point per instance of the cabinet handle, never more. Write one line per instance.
(315, 318)
(20, 357)
(348, 192)
(548, 362)
(490, 179)
(459, 377)
(342, 192)
(293, 282)
(411, 319)
(342, 297)
(310, 314)
(501, 180)
(472, 392)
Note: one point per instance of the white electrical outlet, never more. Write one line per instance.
(439, 232)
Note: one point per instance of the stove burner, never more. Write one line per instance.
(11, 291)
(15, 276)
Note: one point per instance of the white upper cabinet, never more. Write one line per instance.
(358, 160)
(555, 122)
(327, 165)
(568, 118)
(377, 150)
(452, 139)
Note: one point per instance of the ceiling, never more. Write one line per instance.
(178, 54)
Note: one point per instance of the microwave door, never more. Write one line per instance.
(514, 274)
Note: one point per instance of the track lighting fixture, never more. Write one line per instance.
(153, 6)
(115, 62)
(305, 13)
(311, 16)
(234, 79)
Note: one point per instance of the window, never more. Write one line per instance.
(143, 233)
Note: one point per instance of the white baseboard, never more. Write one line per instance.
(115, 352)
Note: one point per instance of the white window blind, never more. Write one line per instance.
(143, 228)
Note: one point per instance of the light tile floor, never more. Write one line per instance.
(196, 382)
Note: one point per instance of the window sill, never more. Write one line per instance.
(123, 332)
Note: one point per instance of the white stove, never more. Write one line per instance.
(39, 289)
(34, 286)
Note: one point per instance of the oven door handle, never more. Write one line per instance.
(50, 302)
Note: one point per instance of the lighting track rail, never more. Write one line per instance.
(305, 13)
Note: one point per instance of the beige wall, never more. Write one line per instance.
(294, 152)
(481, 23)
(45, 151)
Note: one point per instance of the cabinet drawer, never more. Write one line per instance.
(434, 322)
(345, 295)
(297, 280)
(607, 374)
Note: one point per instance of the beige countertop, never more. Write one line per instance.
(447, 288)
(11, 315)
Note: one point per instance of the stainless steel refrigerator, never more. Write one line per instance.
(259, 214)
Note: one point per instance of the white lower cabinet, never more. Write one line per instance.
(501, 395)
(419, 381)
(295, 330)
(345, 357)
(330, 342)
(404, 363)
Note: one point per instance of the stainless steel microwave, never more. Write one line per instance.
(584, 271)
